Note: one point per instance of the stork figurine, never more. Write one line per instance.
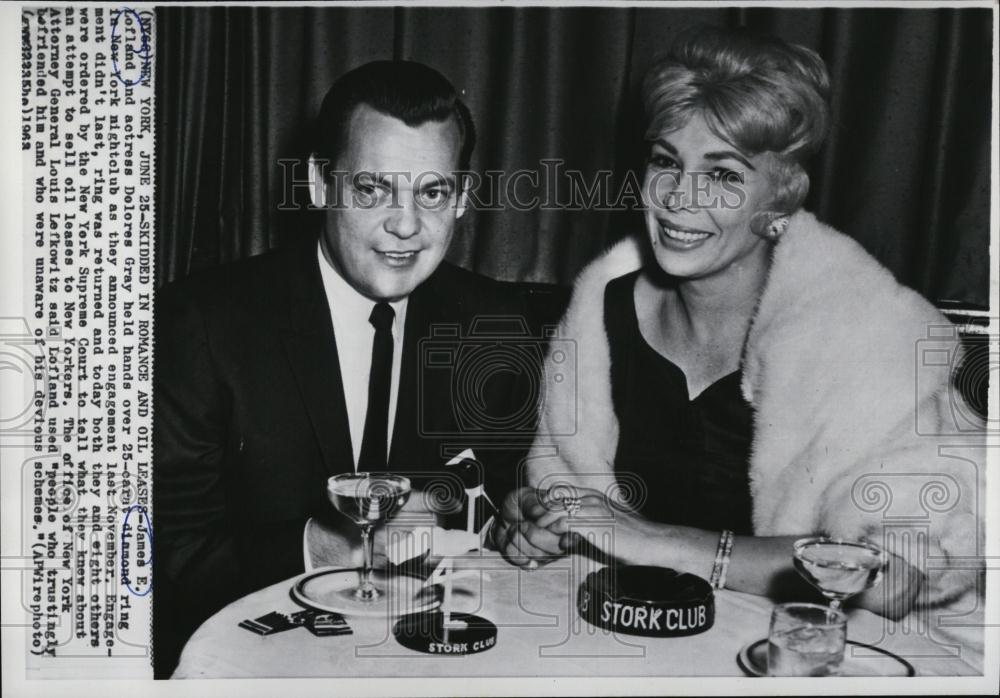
(480, 511)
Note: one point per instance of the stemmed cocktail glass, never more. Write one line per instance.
(839, 569)
(368, 499)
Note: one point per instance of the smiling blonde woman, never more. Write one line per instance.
(743, 368)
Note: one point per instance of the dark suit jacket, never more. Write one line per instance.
(250, 420)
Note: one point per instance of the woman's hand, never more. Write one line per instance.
(586, 514)
(540, 525)
(518, 536)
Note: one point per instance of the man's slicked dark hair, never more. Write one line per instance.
(411, 92)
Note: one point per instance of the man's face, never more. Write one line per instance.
(394, 210)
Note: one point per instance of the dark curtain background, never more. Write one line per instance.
(906, 170)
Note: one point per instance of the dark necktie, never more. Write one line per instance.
(373, 445)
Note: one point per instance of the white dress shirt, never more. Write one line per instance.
(355, 335)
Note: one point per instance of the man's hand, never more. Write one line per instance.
(518, 537)
(336, 542)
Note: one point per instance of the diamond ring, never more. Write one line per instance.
(571, 505)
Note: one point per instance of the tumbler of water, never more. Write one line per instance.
(806, 639)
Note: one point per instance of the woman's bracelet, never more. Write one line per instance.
(722, 554)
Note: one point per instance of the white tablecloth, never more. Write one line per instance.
(540, 634)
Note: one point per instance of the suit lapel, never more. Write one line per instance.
(311, 348)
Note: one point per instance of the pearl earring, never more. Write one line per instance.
(777, 228)
(769, 225)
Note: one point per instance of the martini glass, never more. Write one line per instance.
(367, 499)
(839, 569)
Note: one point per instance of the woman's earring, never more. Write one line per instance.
(777, 228)
(769, 225)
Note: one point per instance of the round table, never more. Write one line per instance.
(540, 634)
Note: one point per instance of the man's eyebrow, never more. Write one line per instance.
(426, 180)
(380, 178)
(430, 180)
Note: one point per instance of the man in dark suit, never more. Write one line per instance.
(277, 372)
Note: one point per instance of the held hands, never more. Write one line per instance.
(517, 536)
(540, 525)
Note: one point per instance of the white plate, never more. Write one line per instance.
(328, 589)
(859, 660)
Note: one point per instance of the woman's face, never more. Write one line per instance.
(700, 192)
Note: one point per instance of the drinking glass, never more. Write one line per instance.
(839, 569)
(806, 639)
(368, 499)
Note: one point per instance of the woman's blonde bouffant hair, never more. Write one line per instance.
(760, 94)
